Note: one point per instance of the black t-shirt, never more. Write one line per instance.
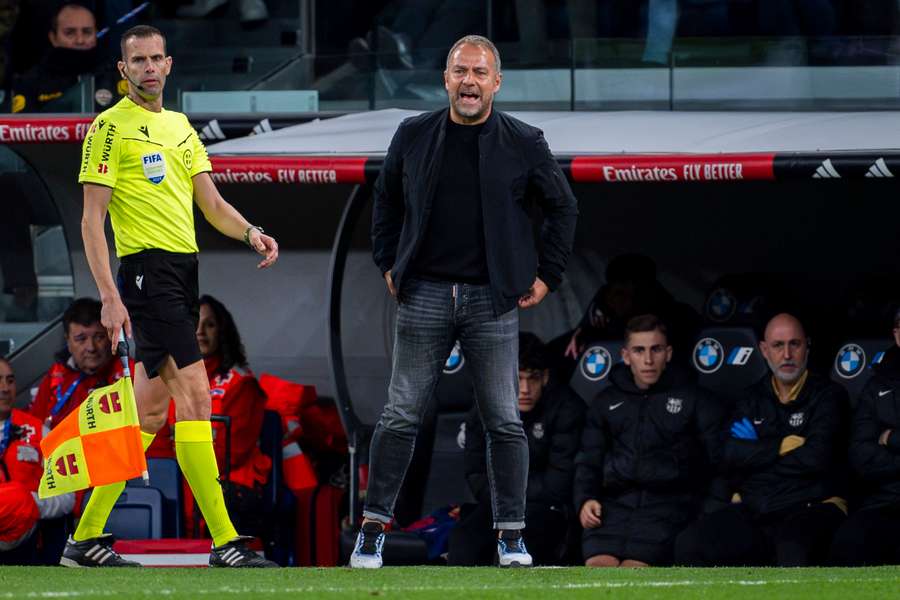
(452, 248)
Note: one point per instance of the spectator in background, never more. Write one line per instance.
(9, 13)
(648, 453)
(251, 11)
(552, 417)
(414, 33)
(20, 473)
(236, 394)
(785, 459)
(870, 536)
(86, 362)
(631, 289)
(73, 54)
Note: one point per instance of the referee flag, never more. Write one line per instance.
(100, 443)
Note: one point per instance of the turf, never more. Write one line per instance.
(449, 583)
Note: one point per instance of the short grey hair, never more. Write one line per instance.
(476, 40)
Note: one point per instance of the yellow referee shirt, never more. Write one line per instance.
(149, 160)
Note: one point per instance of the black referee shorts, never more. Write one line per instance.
(161, 292)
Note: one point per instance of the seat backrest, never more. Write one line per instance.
(446, 482)
(166, 477)
(137, 514)
(852, 366)
(454, 392)
(727, 360)
(591, 376)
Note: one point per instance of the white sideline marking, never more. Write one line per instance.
(455, 588)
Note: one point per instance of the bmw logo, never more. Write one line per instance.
(850, 361)
(721, 305)
(596, 363)
(455, 361)
(709, 355)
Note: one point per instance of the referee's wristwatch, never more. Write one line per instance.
(247, 233)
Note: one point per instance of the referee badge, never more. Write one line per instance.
(154, 167)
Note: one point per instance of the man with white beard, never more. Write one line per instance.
(785, 460)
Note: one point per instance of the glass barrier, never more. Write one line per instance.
(35, 272)
(559, 54)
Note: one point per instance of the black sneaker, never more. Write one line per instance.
(95, 552)
(236, 554)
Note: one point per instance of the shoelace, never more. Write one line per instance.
(369, 542)
(513, 545)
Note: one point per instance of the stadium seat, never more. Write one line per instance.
(741, 299)
(166, 477)
(727, 360)
(853, 362)
(591, 375)
(438, 476)
(137, 514)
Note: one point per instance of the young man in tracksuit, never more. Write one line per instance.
(647, 454)
(552, 416)
(784, 456)
(870, 536)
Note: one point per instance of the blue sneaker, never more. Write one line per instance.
(369, 541)
(511, 550)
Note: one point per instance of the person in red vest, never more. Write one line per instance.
(20, 474)
(235, 393)
(85, 363)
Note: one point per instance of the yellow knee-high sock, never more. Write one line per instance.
(197, 459)
(96, 513)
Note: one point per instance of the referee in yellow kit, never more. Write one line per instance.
(146, 166)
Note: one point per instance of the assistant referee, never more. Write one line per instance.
(146, 166)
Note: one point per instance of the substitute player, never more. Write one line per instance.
(145, 165)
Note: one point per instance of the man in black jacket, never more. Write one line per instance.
(871, 536)
(785, 460)
(451, 233)
(647, 454)
(552, 416)
(50, 85)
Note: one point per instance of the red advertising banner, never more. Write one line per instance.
(44, 130)
(673, 167)
(288, 169)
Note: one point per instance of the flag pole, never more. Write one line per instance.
(122, 352)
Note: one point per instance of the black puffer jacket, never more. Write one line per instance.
(815, 471)
(877, 466)
(553, 429)
(663, 440)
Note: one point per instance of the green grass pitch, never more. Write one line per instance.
(443, 583)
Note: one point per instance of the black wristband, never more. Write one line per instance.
(247, 233)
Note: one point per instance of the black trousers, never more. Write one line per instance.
(473, 541)
(870, 536)
(798, 537)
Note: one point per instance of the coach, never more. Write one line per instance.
(452, 235)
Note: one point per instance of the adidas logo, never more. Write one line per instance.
(826, 171)
(262, 127)
(212, 131)
(879, 169)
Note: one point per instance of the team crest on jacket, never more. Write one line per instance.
(796, 419)
(537, 431)
(461, 436)
(674, 405)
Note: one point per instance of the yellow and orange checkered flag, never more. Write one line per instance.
(100, 443)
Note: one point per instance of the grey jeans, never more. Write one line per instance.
(431, 316)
